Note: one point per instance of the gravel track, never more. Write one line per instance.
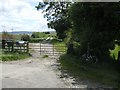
(39, 72)
(33, 72)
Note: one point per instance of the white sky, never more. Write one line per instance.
(21, 15)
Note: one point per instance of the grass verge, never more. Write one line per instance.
(102, 73)
(13, 56)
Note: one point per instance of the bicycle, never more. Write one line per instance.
(88, 58)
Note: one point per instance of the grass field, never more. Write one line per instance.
(102, 73)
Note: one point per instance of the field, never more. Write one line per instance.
(39, 36)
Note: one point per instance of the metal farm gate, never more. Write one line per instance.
(51, 49)
(46, 48)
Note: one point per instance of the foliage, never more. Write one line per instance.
(46, 32)
(93, 25)
(40, 35)
(6, 35)
(60, 46)
(114, 53)
(35, 40)
(56, 14)
(25, 37)
(17, 36)
(37, 35)
(102, 73)
(96, 25)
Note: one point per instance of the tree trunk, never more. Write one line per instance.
(118, 56)
(70, 49)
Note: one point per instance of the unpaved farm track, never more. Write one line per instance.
(38, 72)
(34, 72)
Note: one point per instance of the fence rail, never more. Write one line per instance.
(43, 48)
(12, 47)
(52, 49)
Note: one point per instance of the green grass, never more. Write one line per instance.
(17, 37)
(35, 40)
(114, 53)
(60, 46)
(102, 73)
(41, 37)
(45, 56)
(13, 56)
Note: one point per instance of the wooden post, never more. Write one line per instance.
(27, 47)
(40, 48)
(65, 49)
(24, 47)
(12, 46)
(53, 48)
(3, 44)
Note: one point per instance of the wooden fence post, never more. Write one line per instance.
(27, 47)
(3, 44)
(40, 48)
(12, 46)
(53, 48)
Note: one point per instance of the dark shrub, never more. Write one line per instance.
(25, 37)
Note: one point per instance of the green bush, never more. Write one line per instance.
(38, 35)
(25, 37)
(114, 53)
(35, 40)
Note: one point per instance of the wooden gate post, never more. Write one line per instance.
(53, 48)
(40, 48)
(27, 47)
(12, 46)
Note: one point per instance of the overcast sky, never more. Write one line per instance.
(21, 15)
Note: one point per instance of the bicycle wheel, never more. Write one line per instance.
(93, 59)
(83, 58)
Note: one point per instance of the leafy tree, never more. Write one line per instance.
(46, 32)
(38, 35)
(6, 36)
(35, 35)
(93, 25)
(96, 25)
(57, 15)
(25, 37)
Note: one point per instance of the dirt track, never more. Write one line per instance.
(34, 72)
(38, 72)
